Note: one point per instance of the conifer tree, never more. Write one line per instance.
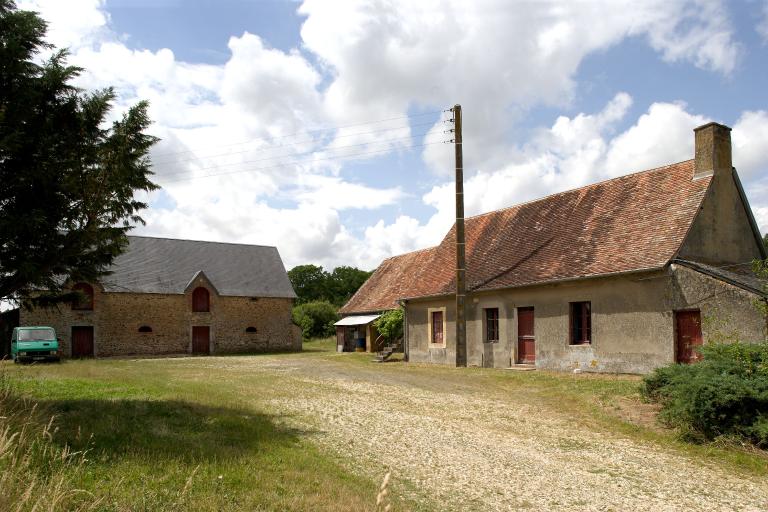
(67, 179)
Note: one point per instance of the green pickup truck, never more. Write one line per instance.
(34, 344)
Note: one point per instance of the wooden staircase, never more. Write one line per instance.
(387, 351)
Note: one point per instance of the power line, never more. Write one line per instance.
(289, 144)
(297, 154)
(299, 162)
(319, 130)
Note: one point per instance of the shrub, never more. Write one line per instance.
(316, 319)
(390, 325)
(725, 394)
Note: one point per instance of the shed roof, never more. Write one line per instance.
(357, 320)
(740, 275)
(631, 223)
(163, 265)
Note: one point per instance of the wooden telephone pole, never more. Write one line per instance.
(461, 266)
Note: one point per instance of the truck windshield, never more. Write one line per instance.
(36, 334)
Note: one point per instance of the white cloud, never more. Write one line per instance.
(73, 23)
(493, 57)
(581, 150)
(750, 144)
(277, 88)
(762, 26)
(381, 60)
(332, 192)
(707, 43)
(662, 135)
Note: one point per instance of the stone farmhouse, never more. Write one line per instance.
(167, 296)
(620, 276)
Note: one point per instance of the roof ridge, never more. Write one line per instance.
(583, 187)
(201, 241)
(411, 252)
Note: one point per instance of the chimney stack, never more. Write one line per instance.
(713, 150)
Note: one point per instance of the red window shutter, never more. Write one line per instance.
(200, 300)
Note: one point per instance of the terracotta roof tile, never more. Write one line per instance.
(633, 222)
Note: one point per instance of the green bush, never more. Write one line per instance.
(390, 325)
(316, 319)
(725, 394)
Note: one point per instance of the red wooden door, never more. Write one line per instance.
(526, 341)
(688, 336)
(82, 341)
(201, 337)
(438, 336)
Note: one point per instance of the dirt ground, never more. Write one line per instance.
(475, 440)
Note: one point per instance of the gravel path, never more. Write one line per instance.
(467, 449)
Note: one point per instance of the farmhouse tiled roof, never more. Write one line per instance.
(163, 265)
(625, 224)
(393, 280)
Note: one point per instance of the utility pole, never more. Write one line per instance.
(461, 265)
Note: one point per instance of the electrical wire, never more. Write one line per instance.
(202, 157)
(319, 130)
(297, 154)
(299, 162)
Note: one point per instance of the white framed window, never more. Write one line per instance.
(436, 327)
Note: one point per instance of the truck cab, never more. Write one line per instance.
(37, 343)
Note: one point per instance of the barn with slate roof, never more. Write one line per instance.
(620, 276)
(166, 296)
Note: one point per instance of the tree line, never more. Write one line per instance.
(312, 283)
(321, 294)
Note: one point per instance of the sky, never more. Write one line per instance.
(320, 127)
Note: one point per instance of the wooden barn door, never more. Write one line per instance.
(688, 336)
(201, 339)
(526, 341)
(82, 341)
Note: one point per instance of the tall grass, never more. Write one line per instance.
(35, 473)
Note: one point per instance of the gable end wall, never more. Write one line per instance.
(721, 233)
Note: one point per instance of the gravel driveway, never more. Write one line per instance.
(457, 445)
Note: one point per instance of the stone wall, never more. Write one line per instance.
(632, 321)
(117, 317)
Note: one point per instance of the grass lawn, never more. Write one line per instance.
(209, 433)
(160, 438)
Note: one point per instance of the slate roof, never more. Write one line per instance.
(631, 223)
(163, 265)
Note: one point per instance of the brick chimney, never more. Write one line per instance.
(713, 150)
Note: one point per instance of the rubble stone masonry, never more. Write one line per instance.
(117, 317)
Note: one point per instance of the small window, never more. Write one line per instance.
(145, 328)
(438, 336)
(581, 323)
(200, 300)
(491, 325)
(250, 330)
(84, 303)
